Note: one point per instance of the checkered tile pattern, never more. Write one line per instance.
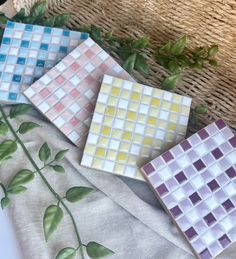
(27, 52)
(196, 181)
(131, 124)
(67, 94)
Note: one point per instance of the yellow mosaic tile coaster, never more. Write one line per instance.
(132, 124)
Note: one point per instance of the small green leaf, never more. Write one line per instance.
(58, 168)
(141, 43)
(213, 50)
(173, 67)
(179, 46)
(51, 220)
(170, 82)
(163, 60)
(7, 148)
(19, 16)
(5, 202)
(213, 63)
(22, 177)
(66, 253)
(141, 64)
(130, 63)
(3, 19)
(96, 33)
(61, 154)
(201, 110)
(19, 109)
(96, 250)
(3, 128)
(50, 21)
(124, 53)
(38, 10)
(44, 153)
(61, 20)
(167, 47)
(17, 190)
(193, 119)
(27, 126)
(77, 193)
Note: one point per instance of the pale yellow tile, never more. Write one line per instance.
(175, 108)
(111, 155)
(153, 112)
(173, 117)
(166, 105)
(141, 118)
(108, 121)
(116, 133)
(131, 115)
(121, 113)
(157, 93)
(124, 147)
(100, 152)
(177, 98)
(95, 128)
(129, 126)
(155, 102)
(137, 87)
(112, 101)
(89, 149)
(100, 108)
(162, 124)
(127, 136)
(170, 137)
(171, 127)
(135, 96)
(146, 99)
(138, 138)
(150, 131)
(133, 106)
(125, 94)
(115, 91)
(121, 157)
(110, 111)
(119, 169)
(147, 141)
(185, 110)
(103, 142)
(97, 163)
(105, 88)
(152, 121)
(106, 131)
(117, 82)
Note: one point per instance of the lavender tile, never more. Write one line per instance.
(231, 172)
(213, 185)
(227, 133)
(222, 179)
(162, 189)
(190, 233)
(201, 226)
(158, 162)
(181, 177)
(204, 192)
(167, 156)
(226, 148)
(172, 184)
(176, 211)
(203, 134)
(194, 140)
(185, 205)
(224, 241)
(215, 249)
(217, 153)
(208, 159)
(220, 124)
(195, 198)
(177, 151)
(228, 205)
(174, 167)
(232, 141)
(185, 145)
(209, 219)
(189, 172)
(219, 213)
(192, 155)
(148, 169)
(205, 254)
(199, 165)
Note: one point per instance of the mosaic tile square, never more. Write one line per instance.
(203, 201)
(29, 51)
(131, 124)
(67, 94)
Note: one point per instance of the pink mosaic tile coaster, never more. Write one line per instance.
(196, 182)
(67, 94)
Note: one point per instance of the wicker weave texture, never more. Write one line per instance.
(205, 22)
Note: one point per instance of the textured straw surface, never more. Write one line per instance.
(204, 21)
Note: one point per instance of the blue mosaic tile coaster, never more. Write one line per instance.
(28, 52)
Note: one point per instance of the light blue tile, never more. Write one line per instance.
(27, 36)
(19, 26)
(42, 54)
(5, 49)
(46, 38)
(35, 45)
(23, 52)
(4, 95)
(54, 48)
(6, 77)
(19, 69)
(8, 32)
(27, 80)
(64, 41)
(15, 87)
(38, 29)
(31, 62)
(11, 60)
(57, 32)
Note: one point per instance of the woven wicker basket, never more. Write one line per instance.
(204, 21)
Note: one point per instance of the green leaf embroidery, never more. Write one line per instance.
(22, 177)
(95, 33)
(58, 168)
(213, 63)
(96, 250)
(170, 82)
(5, 202)
(7, 148)
(51, 220)
(61, 154)
(27, 126)
(77, 193)
(17, 190)
(66, 253)
(38, 9)
(129, 63)
(44, 153)
(3, 128)
(19, 109)
(173, 66)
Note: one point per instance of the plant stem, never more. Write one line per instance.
(4, 190)
(56, 195)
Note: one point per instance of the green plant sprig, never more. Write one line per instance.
(194, 114)
(175, 57)
(54, 214)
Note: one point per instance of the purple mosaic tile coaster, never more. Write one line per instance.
(196, 182)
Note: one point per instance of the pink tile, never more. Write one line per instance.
(66, 129)
(45, 92)
(67, 115)
(66, 101)
(103, 67)
(51, 100)
(74, 121)
(89, 107)
(89, 53)
(75, 93)
(75, 66)
(51, 114)
(60, 80)
(59, 107)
